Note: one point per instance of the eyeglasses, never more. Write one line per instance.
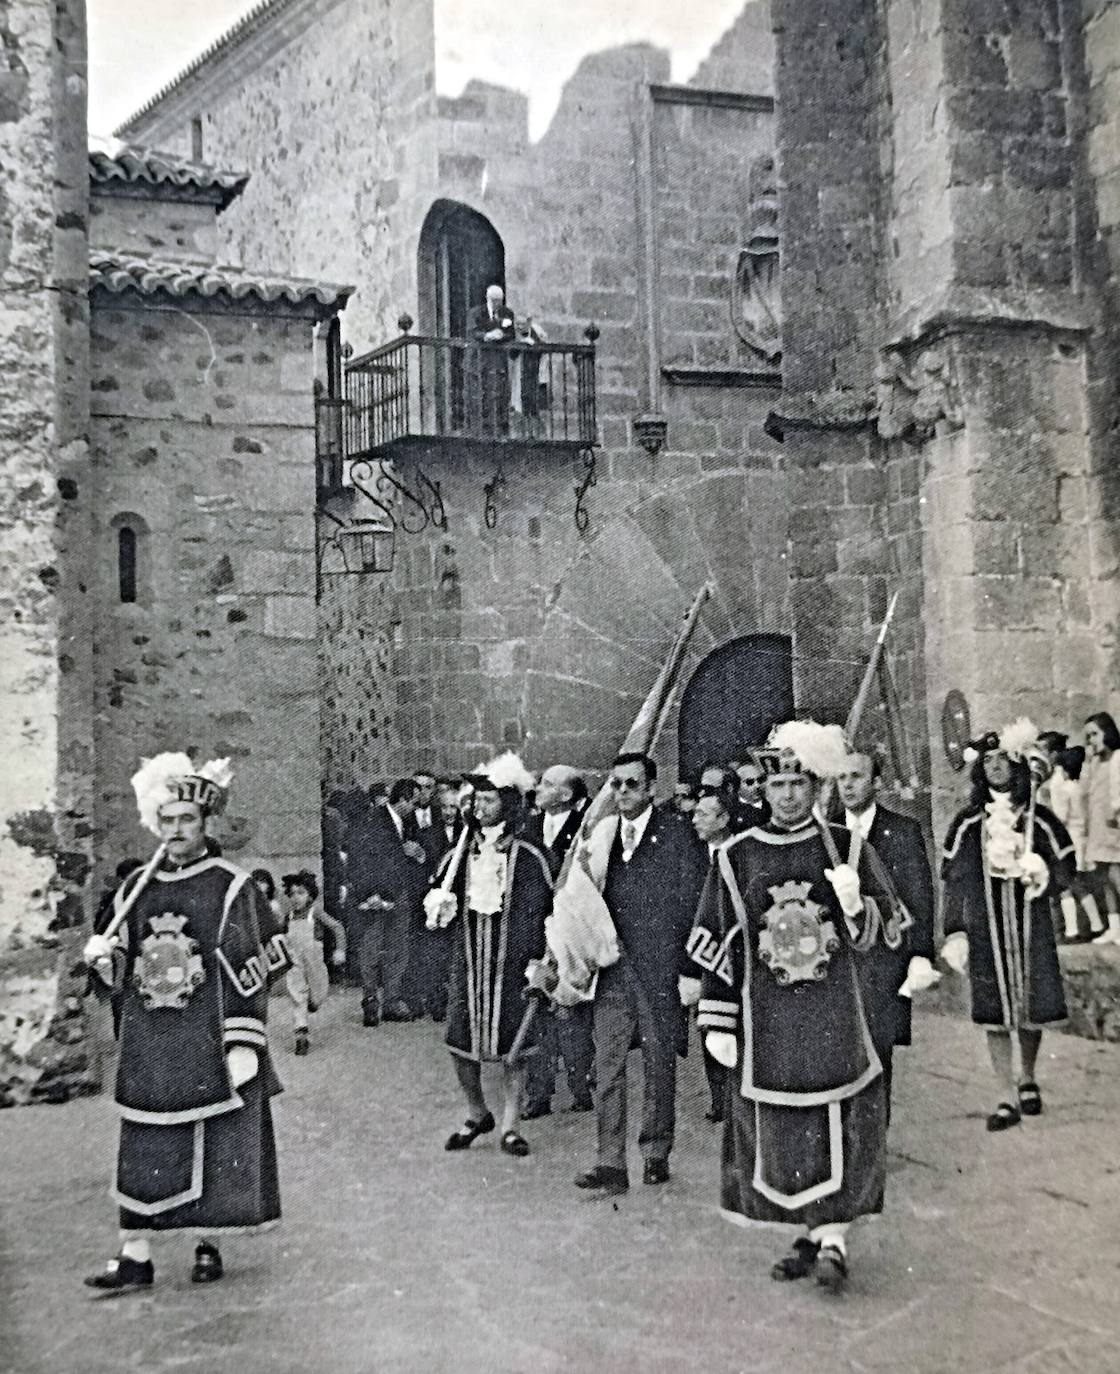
(617, 784)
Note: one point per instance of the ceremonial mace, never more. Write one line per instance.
(130, 901)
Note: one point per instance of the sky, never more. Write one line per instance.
(137, 46)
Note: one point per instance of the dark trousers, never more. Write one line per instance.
(623, 1015)
(561, 1034)
(384, 956)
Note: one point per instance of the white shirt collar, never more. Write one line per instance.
(554, 822)
(861, 821)
(639, 823)
(398, 820)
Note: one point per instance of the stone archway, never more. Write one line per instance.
(733, 699)
(459, 256)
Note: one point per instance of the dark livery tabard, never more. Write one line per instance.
(1013, 970)
(198, 950)
(805, 1140)
(489, 952)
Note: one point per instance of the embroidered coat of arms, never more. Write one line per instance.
(169, 967)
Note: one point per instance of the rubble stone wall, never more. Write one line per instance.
(203, 446)
(45, 500)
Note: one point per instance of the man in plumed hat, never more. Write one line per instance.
(497, 889)
(776, 934)
(190, 952)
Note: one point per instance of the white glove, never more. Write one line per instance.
(689, 990)
(845, 883)
(338, 957)
(1033, 873)
(439, 908)
(954, 952)
(920, 975)
(99, 947)
(242, 1063)
(722, 1047)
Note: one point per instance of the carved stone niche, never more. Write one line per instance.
(917, 391)
(756, 301)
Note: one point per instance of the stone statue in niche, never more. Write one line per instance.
(916, 394)
(756, 301)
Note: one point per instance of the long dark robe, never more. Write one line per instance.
(1013, 970)
(805, 1138)
(489, 955)
(199, 949)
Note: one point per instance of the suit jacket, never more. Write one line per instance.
(377, 864)
(899, 842)
(481, 324)
(436, 843)
(556, 852)
(652, 900)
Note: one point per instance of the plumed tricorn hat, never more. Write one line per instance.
(174, 777)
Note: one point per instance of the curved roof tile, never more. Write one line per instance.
(120, 272)
(137, 165)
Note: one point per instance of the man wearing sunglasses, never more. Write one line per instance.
(654, 875)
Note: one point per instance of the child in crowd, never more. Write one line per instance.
(1067, 801)
(307, 980)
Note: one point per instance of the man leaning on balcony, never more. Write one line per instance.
(491, 324)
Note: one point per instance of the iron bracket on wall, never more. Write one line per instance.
(582, 515)
(491, 490)
(409, 507)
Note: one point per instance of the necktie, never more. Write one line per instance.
(629, 840)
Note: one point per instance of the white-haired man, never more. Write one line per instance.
(191, 958)
(775, 933)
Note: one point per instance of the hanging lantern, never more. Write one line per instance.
(368, 546)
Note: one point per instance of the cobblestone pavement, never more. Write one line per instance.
(996, 1253)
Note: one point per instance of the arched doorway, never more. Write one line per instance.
(460, 255)
(734, 698)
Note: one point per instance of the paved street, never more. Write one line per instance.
(997, 1253)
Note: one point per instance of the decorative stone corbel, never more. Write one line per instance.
(916, 393)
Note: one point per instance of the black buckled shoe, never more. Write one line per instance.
(799, 1264)
(1004, 1116)
(513, 1143)
(122, 1275)
(464, 1139)
(1030, 1099)
(207, 1264)
(832, 1268)
(604, 1180)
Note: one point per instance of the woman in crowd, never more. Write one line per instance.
(1101, 783)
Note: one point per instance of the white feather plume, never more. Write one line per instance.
(1019, 738)
(152, 784)
(820, 749)
(218, 772)
(507, 770)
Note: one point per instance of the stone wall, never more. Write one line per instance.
(44, 509)
(331, 107)
(626, 211)
(203, 444)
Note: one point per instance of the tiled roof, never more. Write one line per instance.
(120, 272)
(164, 169)
(245, 27)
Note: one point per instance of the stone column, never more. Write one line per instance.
(45, 710)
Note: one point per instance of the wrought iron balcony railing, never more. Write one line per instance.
(419, 390)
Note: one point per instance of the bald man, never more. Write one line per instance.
(563, 1033)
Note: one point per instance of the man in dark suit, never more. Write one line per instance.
(896, 957)
(488, 383)
(654, 874)
(563, 1032)
(384, 869)
(434, 946)
(753, 808)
